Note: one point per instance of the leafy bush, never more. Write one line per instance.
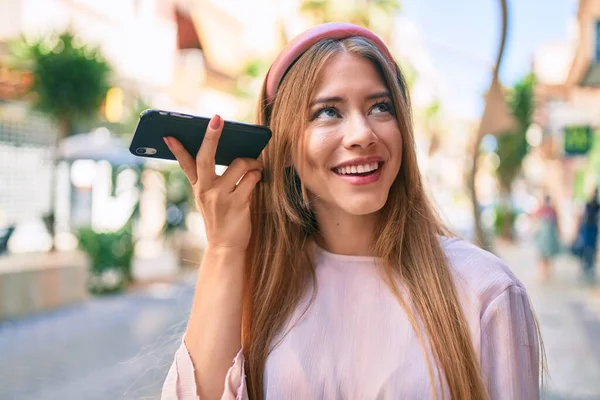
(504, 221)
(111, 254)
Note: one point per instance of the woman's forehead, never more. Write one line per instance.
(346, 73)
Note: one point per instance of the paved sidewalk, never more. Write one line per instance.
(120, 347)
(114, 347)
(569, 316)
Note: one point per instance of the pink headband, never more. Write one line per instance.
(297, 46)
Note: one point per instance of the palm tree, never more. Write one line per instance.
(496, 119)
(376, 15)
(360, 12)
(70, 82)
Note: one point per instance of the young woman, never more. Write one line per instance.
(547, 236)
(327, 274)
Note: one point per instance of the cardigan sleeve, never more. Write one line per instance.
(510, 357)
(180, 383)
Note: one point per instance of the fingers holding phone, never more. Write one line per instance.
(237, 171)
(201, 171)
(233, 139)
(223, 200)
(205, 159)
(185, 160)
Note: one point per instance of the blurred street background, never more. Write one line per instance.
(98, 248)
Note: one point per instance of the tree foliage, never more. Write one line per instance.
(512, 146)
(356, 11)
(70, 79)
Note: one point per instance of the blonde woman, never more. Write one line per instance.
(327, 274)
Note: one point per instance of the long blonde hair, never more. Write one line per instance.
(280, 270)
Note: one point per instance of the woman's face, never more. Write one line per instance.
(352, 144)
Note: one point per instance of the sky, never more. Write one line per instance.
(462, 38)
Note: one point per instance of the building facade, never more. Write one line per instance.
(568, 113)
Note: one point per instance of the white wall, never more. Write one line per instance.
(10, 18)
(139, 42)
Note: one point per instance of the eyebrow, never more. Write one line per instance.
(338, 99)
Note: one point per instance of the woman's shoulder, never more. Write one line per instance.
(477, 271)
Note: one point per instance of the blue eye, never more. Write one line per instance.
(326, 113)
(381, 108)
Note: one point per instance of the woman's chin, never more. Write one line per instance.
(365, 206)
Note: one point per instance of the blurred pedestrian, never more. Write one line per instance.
(587, 237)
(547, 236)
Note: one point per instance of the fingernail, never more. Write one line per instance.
(215, 122)
(166, 139)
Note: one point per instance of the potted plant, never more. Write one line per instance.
(111, 254)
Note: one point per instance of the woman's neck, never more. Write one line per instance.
(341, 233)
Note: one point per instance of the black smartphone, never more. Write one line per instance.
(237, 139)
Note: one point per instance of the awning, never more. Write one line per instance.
(99, 145)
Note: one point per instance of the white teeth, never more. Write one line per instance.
(357, 169)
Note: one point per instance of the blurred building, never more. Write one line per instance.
(181, 55)
(137, 37)
(219, 43)
(139, 40)
(196, 56)
(568, 112)
(172, 53)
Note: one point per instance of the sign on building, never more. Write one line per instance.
(578, 140)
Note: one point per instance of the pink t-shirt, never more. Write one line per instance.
(356, 342)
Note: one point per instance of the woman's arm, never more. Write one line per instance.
(213, 335)
(209, 363)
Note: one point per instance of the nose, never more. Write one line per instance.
(359, 133)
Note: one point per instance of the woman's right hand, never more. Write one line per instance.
(223, 200)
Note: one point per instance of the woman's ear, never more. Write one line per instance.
(289, 163)
(289, 160)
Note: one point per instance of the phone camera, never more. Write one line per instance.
(145, 151)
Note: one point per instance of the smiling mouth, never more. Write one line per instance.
(359, 170)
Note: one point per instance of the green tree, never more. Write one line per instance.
(70, 79)
(70, 82)
(512, 147)
(521, 101)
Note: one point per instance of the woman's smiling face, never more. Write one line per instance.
(352, 144)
